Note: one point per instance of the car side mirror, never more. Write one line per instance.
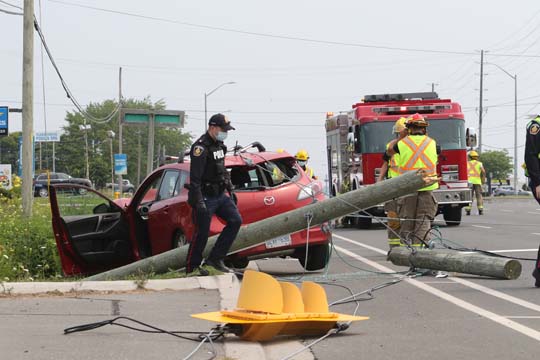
(470, 138)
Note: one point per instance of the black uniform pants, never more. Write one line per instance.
(222, 206)
(533, 188)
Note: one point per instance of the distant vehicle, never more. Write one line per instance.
(42, 182)
(94, 233)
(127, 186)
(505, 190)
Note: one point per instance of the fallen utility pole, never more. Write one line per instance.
(282, 224)
(457, 261)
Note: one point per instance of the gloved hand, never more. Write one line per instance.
(233, 197)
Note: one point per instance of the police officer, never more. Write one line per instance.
(532, 163)
(209, 180)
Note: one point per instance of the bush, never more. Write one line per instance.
(27, 247)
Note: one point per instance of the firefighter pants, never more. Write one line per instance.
(416, 212)
(476, 192)
(224, 207)
(533, 187)
(392, 214)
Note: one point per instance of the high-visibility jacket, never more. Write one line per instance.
(475, 170)
(309, 172)
(393, 168)
(418, 152)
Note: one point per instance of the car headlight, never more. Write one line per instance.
(309, 191)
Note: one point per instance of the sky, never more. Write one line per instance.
(291, 61)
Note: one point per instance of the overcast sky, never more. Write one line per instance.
(292, 61)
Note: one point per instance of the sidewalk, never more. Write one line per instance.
(34, 315)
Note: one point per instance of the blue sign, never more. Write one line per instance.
(120, 164)
(4, 112)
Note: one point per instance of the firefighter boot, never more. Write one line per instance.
(468, 212)
(536, 275)
(480, 211)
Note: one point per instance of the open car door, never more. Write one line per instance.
(91, 231)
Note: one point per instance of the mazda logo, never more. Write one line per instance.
(269, 200)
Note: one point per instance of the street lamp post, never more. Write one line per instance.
(110, 135)
(206, 95)
(515, 124)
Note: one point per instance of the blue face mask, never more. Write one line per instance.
(221, 136)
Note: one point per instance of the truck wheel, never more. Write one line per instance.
(452, 215)
(363, 222)
(318, 256)
(43, 192)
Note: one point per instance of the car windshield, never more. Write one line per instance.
(448, 133)
(268, 174)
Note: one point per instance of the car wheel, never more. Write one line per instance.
(82, 191)
(318, 256)
(237, 263)
(130, 192)
(43, 192)
(179, 239)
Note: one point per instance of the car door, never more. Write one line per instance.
(164, 214)
(91, 231)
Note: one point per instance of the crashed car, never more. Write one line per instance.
(94, 233)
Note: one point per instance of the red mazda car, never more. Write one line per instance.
(94, 233)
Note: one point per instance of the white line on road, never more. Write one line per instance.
(532, 212)
(522, 317)
(441, 294)
(483, 227)
(510, 251)
(535, 233)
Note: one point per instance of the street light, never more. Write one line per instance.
(206, 95)
(515, 124)
(85, 128)
(110, 135)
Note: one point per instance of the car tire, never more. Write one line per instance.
(318, 257)
(82, 191)
(43, 192)
(452, 215)
(237, 263)
(363, 222)
(179, 239)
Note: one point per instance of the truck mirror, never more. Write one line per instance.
(470, 138)
(357, 142)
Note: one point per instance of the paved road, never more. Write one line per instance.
(461, 317)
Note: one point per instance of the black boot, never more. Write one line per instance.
(218, 265)
(536, 275)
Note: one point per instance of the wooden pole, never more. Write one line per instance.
(457, 261)
(282, 224)
(28, 107)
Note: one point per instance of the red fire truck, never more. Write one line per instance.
(356, 141)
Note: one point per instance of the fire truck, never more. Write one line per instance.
(357, 139)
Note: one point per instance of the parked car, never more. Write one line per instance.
(127, 186)
(42, 182)
(94, 233)
(505, 190)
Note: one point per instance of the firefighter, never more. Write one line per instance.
(302, 157)
(532, 163)
(209, 180)
(416, 151)
(477, 176)
(389, 169)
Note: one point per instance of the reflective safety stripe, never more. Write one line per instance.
(309, 172)
(393, 164)
(394, 242)
(474, 169)
(418, 154)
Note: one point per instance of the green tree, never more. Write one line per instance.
(70, 151)
(9, 150)
(497, 163)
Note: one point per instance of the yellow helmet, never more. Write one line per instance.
(280, 150)
(473, 154)
(399, 125)
(302, 155)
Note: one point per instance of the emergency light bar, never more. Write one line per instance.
(401, 97)
(410, 109)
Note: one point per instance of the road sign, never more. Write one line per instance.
(120, 164)
(165, 118)
(46, 137)
(4, 111)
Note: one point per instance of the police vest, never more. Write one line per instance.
(418, 152)
(474, 170)
(393, 168)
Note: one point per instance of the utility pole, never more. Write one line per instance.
(515, 136)
(27, 106)
(119, 126)
(150, 154)
(480, 108)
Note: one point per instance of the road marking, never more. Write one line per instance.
(522, 317)
(535, 233)
(531, 212)
(441, 294)
(483, 227)
(509, 251)
(372, 248)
